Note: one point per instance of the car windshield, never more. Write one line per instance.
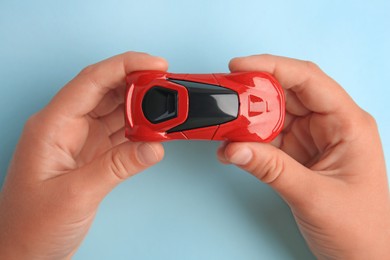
(160, 104)
(208, 105)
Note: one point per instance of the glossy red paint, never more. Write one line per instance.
(260, 116)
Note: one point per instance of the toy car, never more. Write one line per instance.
(240, 106)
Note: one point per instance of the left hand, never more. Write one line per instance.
(70, 155)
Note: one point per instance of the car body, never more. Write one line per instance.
(239, 106)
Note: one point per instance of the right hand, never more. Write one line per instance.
(327, 163)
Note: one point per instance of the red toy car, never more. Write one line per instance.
(241, 106)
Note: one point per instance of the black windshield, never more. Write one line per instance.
(160, 104)
(208, 105)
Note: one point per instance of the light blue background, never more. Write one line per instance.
(189, 206)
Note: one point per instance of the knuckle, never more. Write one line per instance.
(41, 124)
(359, 125)
(369, 119)
(117, 165)
(31, 122)
(34, 124)
(269, 171)
(265, 57)
(132, 53)
(348, 128)
(87, 70)
(312, 67)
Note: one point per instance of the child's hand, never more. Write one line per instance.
(328, 163)
(70, 155)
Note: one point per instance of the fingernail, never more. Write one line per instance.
(241, 156)
(147, 154)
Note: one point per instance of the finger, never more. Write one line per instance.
(99, 177)
(278, 141)
(82, 94)
(290, 179)
(298, 141)
(221, 153)
(293, 105)
(296, 148)
(114, 121)
(317, 92)
(288, 121)
(300, 129)
(109, 103)
(118, 137)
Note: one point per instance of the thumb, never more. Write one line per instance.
(101, 175)
(271, 165)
